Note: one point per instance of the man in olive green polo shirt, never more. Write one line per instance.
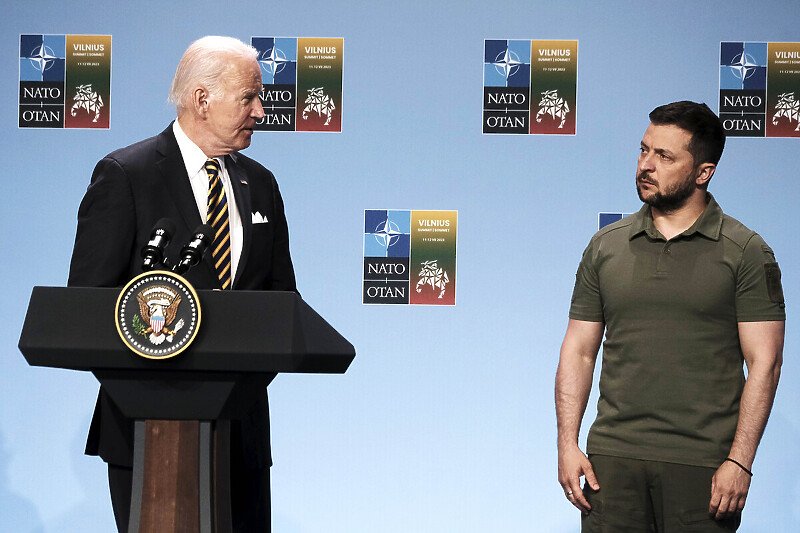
(686, 296)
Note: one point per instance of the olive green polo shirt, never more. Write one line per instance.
(672, 368)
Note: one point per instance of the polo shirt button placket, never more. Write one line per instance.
(661, 267)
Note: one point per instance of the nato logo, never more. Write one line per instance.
(506, 86)
(277, 57)
(743, 88)
(387, 248)
(387, 233)
(42, 57)
(507, 63)
(42, 68)
(743, 66)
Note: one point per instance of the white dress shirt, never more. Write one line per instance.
(195, 160)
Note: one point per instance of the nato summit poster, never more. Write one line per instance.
(409, 257)
(302, 83)
(64, 81)
(759, 89)
(530, 87)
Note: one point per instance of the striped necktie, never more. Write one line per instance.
(217, 218)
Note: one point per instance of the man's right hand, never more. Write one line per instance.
(572, 464)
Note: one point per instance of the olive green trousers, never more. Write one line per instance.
(638, 496)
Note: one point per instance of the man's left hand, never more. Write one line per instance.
(729, 488)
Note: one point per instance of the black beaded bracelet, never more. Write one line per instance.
(740, 465)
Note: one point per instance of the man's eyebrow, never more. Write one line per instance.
(659, 151)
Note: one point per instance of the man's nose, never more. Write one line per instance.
(258, 109)
(646, 162)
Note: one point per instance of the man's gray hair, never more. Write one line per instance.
(205, 63)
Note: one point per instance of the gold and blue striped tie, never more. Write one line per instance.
(217, 218)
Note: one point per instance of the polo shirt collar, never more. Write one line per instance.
(708, 224)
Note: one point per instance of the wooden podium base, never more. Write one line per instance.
(181, 477)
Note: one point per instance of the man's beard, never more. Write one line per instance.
(670, 199)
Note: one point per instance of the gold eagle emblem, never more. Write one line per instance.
(158, 307)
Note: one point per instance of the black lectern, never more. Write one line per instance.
(181, 452)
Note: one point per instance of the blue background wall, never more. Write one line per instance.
(445, 420)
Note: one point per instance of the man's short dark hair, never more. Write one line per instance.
(708, 135)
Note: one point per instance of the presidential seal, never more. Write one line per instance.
(157, 314)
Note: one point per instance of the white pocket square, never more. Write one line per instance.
(258, 218)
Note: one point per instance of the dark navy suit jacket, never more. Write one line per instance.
(132, 189)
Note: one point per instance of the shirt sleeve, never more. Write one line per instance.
(587, 303)
(759, 294)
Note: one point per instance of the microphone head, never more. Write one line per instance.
(166, 225)
(153, 252)
(205, 233)
(192, 253)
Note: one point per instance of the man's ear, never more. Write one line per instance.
(200, 101)
(704, 173)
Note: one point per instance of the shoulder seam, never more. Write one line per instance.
(620, 224)
(741, 256)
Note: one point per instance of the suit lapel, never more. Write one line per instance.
(173, 173)
(241, 190)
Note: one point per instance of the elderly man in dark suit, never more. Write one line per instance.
(175, 175)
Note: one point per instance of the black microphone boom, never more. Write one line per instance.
(192, 253)
(153, 251)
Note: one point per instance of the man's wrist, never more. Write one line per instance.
(563, 443)
(740, 465)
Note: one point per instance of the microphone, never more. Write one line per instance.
(192, 253)
(153, 251)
